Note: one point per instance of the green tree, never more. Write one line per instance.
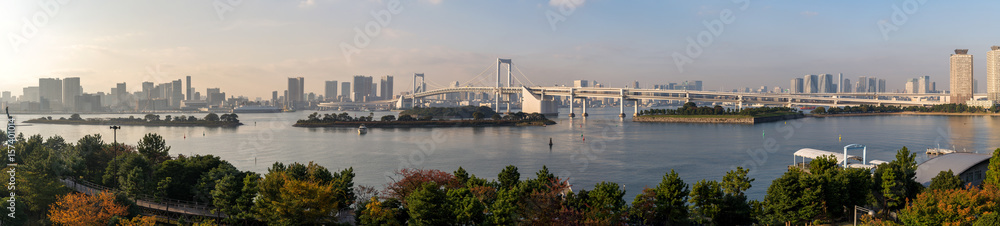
(75, 117)
(130, 173)
(477, 116)
(495, 117)
(154, 148)
(461, 176)
(509, 177)
(892, 191)
(988, 219)
(152, 117)
(945, 180)
(429, 205)
(388, 118)
(466, 208)
(993, 173)
(388, 212)
(734, 209)
(706, 200)
(606, 203)
(212, 117)
(793, 198)
(664, 205)
(819, 110)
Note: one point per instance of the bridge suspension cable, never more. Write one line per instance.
(524, 75)
(479, 76)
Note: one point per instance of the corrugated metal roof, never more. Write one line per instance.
(956, 162)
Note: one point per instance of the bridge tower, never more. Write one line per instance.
(417, 87)
(499, 85)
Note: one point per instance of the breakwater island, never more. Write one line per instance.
(209, 120)
(468, 116)
(691, 113)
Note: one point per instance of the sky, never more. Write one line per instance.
(249, 48)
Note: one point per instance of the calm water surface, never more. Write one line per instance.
(599, 148)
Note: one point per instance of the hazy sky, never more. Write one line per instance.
(249, 47)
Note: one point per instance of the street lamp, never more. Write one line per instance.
(116, 128)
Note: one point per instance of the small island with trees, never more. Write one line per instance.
(691, 113)
(210, 120)
(873, 110)
(468, 116)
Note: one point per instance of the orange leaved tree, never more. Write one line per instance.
(82, 209)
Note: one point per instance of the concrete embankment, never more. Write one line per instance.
(744, 120)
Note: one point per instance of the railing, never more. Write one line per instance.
(146, 201)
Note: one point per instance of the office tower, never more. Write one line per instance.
(188, 90)
(810, 85)
(176, 94)
(71, 89)
(697, 85)
(330, 90)
(385, 91)
(862, 85)
(825, 82)
(923, 84)
(961, 76)
(50, 91)
(6, 97)
(881, 86)
(934, 87)
(993, 74)
(362, 88)
(296, 92)
(911, 86)
(580, 83)
(274, 98)
(635, 84)
(31, 94)
(372, 92)
(872, 84)
(213, 97)
(147, 90)
(840, 83)
(796, 86)
(345, 91)
(845, 86)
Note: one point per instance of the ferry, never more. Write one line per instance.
(362, 129)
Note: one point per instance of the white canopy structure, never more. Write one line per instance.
(841, 158)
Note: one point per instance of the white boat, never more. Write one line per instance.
(939, 151)
(362, 129)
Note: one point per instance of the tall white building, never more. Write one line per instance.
(961, 76)
(993, 74)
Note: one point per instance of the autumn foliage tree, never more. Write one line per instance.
(951, 207)
(81, 209)
(410, 180)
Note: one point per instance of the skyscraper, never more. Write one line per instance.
(580, 83)
(923, 84)
(330, 91)
(71, 89)
(824, 83)
(362, 88)
(385, 88)
(296, 92)
(993, 74)
(188, 90)
(840, 83)
(811, 84)
(274, 98)
(345, 91)
(176, 94)
(881, 86)
(796, 86)
(845, 86)
(50, 92)
(862, 85)
(961, 76)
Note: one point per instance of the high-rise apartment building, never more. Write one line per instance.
(862, 85)
(330, 90)
(881, 86)
(71, 89)
(796, 86)
(296, 93)
(385, 88)
(993, 74)
(811, 84)
(923, 84)
(961, 76)
(345, 91)
(50, 92)
(362, 88)
(188, 90)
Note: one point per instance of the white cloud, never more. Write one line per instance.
(575, 3)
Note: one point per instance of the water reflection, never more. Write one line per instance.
(963, 133)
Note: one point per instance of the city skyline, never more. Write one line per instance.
(237, 47)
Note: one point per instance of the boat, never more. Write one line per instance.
(939, 151)
(362, 129)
